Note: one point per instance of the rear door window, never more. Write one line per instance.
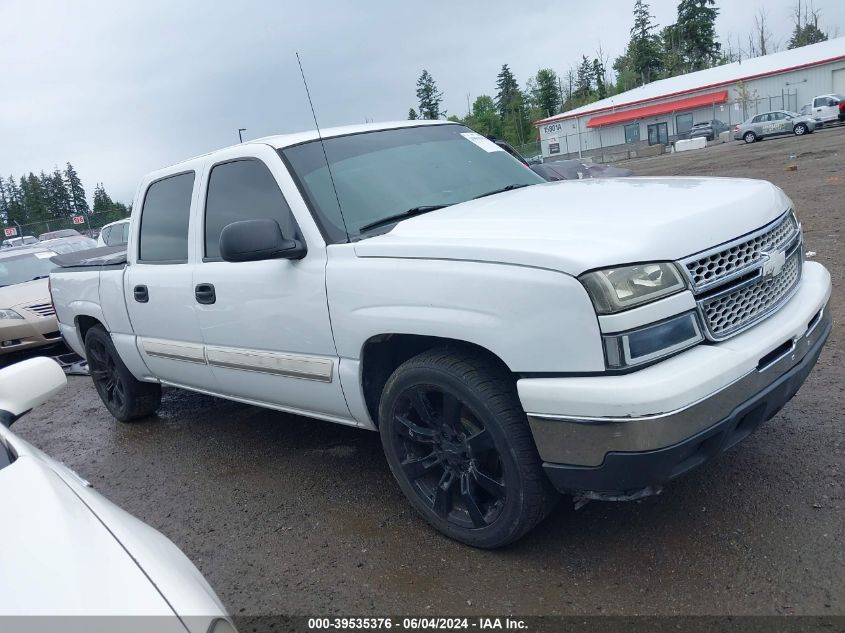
(163, 236)
(243, 190)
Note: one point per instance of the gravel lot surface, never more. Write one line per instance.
(287, 515)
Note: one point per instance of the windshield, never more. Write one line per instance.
(26, 267)
(385, 173)
(791, 114)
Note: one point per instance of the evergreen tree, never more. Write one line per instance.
(34, 198)
(429, 97)
(4, 203)
(644, 54)
(76, 192)
(60, 203)
(598, 78)
(510, 104)
(544, 91)
(412, 115)
(16, 212)
(507, 89)
(807, 30)
(696, 27)
(584, 81)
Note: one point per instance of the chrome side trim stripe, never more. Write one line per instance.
(281, 364)
(174, 350)
(276, 363)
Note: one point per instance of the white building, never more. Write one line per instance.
(656, 113)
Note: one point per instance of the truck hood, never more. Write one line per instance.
(575, 226)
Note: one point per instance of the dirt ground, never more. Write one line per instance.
(287, 515)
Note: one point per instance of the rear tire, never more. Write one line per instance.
(749, 137)
(458, 443)
(126, 397)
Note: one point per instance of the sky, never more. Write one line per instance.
(120, 89)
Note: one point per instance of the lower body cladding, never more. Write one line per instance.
(618, 455)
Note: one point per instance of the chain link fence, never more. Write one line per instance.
(90, 225)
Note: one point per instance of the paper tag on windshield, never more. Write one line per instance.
(484, 143)
(43, 255)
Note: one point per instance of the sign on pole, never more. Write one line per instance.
(78, 219)
(10, 232)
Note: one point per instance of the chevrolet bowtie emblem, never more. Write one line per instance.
(773, 263)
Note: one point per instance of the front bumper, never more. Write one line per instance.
(619, 433)
(26, 333)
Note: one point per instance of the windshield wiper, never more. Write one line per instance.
(39, 277)
(502, 190)
(402, 216)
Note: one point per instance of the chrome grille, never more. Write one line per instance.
(42, 309)
(731, 260)
(739, 283)
(728, 312)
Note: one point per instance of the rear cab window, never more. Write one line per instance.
(165, 215)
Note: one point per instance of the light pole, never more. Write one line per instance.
(240, 137)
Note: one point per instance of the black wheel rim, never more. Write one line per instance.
(448, 456)
(103, 370)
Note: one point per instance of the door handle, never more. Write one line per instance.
(205, 294)
(141, 293)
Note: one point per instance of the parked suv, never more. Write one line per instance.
(508, 338)
(708, 129)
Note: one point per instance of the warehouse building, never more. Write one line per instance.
(654, 115)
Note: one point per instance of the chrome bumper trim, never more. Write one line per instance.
(584, 441)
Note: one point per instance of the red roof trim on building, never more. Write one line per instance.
(564, 116)
(690, 103)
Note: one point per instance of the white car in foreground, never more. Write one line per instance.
(67, 551)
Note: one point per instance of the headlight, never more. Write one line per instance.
(649, 343)
(9, 314)
(616, 289)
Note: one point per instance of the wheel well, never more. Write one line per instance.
(85, 323)
(382, 354)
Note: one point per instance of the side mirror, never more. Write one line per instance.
(256, 240)
(25, 385)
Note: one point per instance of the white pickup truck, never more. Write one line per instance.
(508, 338)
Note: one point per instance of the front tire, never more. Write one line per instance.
(749, 137)
(458, 443)
(800, 129)
(126, 397)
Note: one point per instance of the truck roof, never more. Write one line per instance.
(279, 141)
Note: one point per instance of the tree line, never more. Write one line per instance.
(45, 199)
(652, 53)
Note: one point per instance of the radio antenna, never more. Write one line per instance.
(322, 145)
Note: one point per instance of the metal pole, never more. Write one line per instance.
(578, 127)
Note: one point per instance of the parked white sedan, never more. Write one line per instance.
(67, 551)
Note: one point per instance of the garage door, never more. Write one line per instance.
(839, 81)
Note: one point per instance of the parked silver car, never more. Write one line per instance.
(772, 124)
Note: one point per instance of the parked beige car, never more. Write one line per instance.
(27, 317)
